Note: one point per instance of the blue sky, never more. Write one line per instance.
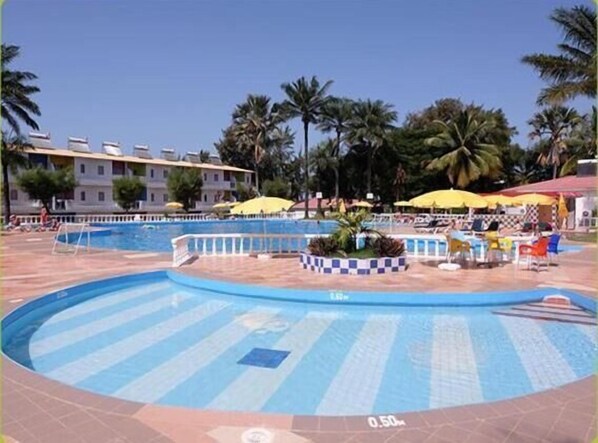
(169, 73)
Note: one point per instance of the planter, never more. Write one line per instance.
(355, 266)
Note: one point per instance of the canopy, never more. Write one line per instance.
(502, 200)
(402, 203)
(262, 205)
(363, 205)
(174, 205)
(535, 199)
(449, 199)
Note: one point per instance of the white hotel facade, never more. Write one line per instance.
(94, 172)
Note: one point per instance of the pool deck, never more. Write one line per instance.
(36, 409)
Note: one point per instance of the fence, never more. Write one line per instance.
(189, 246)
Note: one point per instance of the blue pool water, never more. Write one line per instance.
(164, 342)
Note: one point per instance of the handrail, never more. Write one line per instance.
(188, 246)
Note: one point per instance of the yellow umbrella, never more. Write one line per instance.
(174, 205)
(342, 208)
(562, 211)
(502, 200)
(535, 199)
(449, 199)
(262, 205)
(402, 203)
(363, 205)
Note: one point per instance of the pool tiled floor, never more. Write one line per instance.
(36, 409)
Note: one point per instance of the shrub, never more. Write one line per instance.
(322, 246)
(388, 247)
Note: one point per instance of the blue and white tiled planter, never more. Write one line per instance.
(357, 266)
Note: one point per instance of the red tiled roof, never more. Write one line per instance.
(567, 185)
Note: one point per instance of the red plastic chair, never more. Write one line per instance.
(538, 251)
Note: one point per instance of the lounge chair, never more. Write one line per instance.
(527, 228)
(477, 226)
(428, 228)
(493, 226)
(538, 251)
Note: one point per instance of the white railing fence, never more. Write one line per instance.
(189, 246)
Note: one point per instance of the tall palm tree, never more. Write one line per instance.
(554, 127)
(12, 159)
(254, 121)
(469, 153)
(17, 105)
(305, 100)
(369, 127)
(399, 180)
(282, 140)
(336, 116)
(572, 73)
(584, 144)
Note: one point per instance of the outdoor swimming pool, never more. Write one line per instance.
(151, 339)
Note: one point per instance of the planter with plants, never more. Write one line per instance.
(354, 249)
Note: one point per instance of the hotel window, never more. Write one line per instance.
(165, 173)
(216, 198)
(82, 168)
(226, 176)
(14, 194)
(82, 196)
(101, 196)
(100, 169)
(215, 177)
(205, 177)
(152, 173)
(246, 179)
(205, 197)
(165, 198)
(152, 196)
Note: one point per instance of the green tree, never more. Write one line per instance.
(324, 164)
(554, 127)
(184, 186)
(204, 156)
(277, 187)
(17, 104)
(281, 151)
(13, 158)
(400, 180)
(572, 72)
(245, 192)
(43, 185)
(126, 191)
(305, 100)
(336, 117)
(468, 149)
(583, 143)
(369, 129)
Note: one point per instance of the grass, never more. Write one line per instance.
(586, 237)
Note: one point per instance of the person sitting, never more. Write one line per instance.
(14, 223)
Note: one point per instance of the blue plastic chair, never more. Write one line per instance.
(553, 246)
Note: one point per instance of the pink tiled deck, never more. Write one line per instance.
(36, 409)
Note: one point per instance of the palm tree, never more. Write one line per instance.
(305, 100)
(282, 140)
(336, 116)
(554, 127)
(369, 128)
(572, 73)
(323, 161)
(254, 121)
(399, 180)
(16, 91)
(469, 154)
(12, 159)
(204, 156)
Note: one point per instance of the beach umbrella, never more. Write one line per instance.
(535, 199)
(342, 208)
(562, 212)
(262, 205)
(363, 205)
(174, 205)
(503, 200)
(402, 203)
(449, 199)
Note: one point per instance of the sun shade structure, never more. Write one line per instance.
(174, 205)
(536, 199)
(402, 203)
(449, 199)
(562, 210)
(342, 208)
(262, 205)
(503, 200)
(363, 205)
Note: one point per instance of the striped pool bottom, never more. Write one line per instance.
(170, 344)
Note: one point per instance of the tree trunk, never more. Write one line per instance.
(369, 169)
(5, 192)
(306, 141)
(554, 168)
(336, 169)
(257, 179)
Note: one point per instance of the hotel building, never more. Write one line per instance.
(94, 172)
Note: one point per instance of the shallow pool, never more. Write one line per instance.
(157, 341)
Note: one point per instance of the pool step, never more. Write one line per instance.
(550, 312)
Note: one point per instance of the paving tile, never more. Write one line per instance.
(409, 436)
(306, 422)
